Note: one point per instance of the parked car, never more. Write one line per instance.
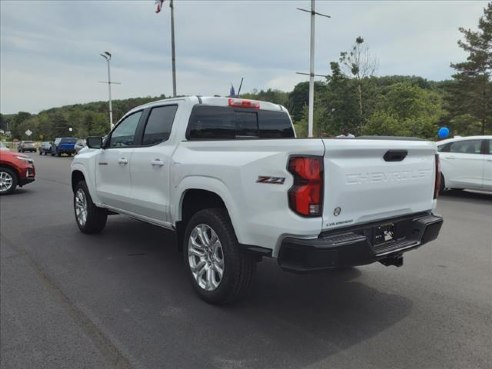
(15, 170)
(79, 145)
(26, 146)
(230, 177)
(45, 148)
(63, 145)
(466, 163)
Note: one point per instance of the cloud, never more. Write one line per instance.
(49, 50)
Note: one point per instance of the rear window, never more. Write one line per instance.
(226, 123)
(69, 140)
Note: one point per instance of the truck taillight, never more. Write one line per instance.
(437, 180)
(306, 195)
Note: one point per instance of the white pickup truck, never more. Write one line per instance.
(229, 176)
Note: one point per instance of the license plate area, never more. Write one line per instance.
(383, 234)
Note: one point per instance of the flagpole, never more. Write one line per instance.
(171, 5)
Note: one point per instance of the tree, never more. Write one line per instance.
(404, 109)
(274, 96)
(16, 125)
(298, 98)
(471, 92)
(359, 64)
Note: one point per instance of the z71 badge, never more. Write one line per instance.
(270, 180)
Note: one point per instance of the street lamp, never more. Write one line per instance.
(313, 13)
(106, 55)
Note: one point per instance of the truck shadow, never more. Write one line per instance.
(299, 319)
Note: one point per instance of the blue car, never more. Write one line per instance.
(63, 145)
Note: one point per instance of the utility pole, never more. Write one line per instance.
(107, 56)
(311, 66)
(173, 48)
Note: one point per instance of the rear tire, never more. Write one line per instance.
(8, 181)
(219, 272)
(89, 218)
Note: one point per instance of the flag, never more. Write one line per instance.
(232, 93)
(159, 5)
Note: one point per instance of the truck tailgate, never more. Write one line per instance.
(370, 180)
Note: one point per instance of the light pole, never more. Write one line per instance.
(313, 13)
(173, 47)
(106, 55)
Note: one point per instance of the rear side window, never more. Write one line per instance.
(226, 123)
(159, 124)
(466, 147)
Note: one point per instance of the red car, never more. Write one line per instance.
(15, 170)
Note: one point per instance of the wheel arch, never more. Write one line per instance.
(80, 172)
(13, 169)
(204, 193)
(77, 176)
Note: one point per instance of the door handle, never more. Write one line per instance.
(451, 157)
(123, 161)
(157, 163)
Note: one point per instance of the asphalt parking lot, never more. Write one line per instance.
(121, 299)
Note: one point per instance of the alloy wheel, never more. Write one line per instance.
(6, 181)
(205, 257)
(81, 207)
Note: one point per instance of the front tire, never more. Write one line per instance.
(89, 218)
(219, 272)
(8, 181)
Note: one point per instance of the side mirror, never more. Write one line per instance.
(94, 142)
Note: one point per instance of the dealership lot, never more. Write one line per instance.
(121, 299)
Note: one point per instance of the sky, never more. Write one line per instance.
(50, 50)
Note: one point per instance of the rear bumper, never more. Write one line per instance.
(65, 151)
(358, 245)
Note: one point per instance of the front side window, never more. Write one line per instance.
(466, 147)
(124, 134)
(159, 124)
